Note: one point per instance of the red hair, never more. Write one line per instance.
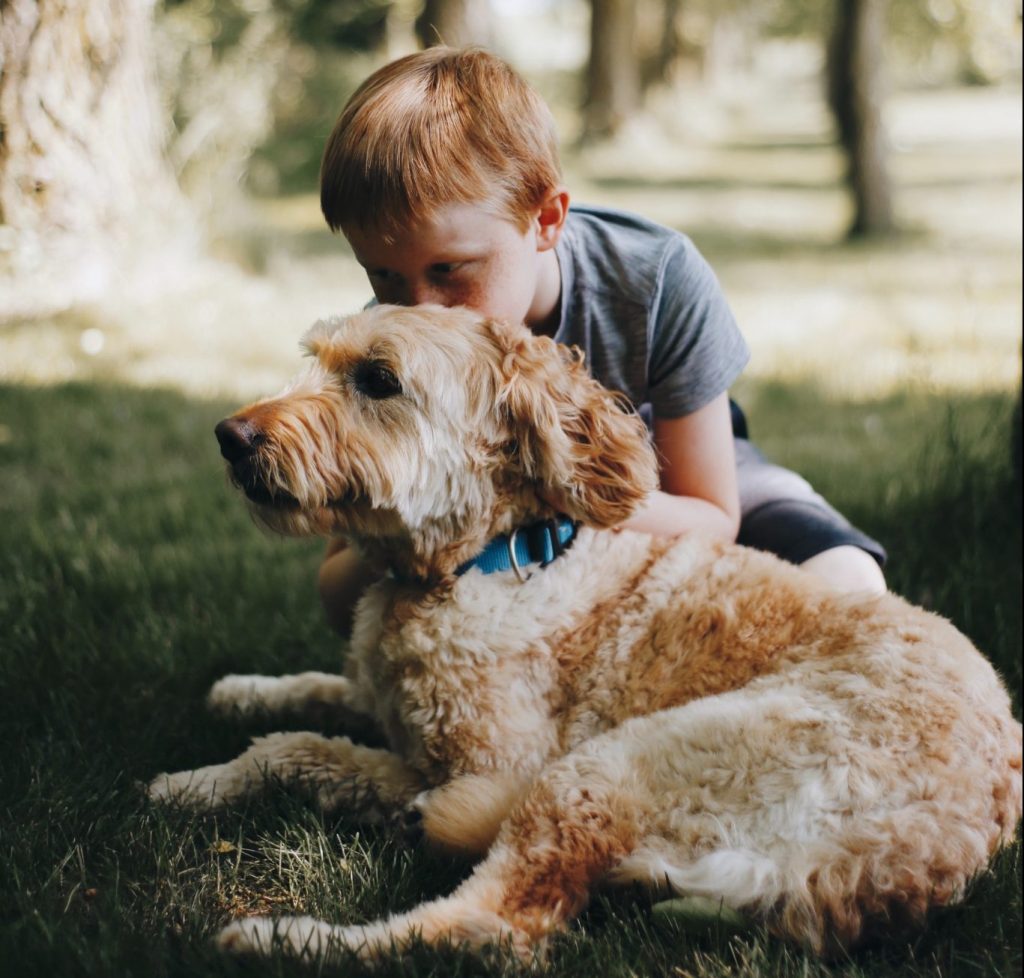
(442, 126)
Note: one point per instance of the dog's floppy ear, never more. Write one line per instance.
(578, 440)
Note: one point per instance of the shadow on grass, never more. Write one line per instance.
(131, 577)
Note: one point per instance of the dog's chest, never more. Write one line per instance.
(459, 701)
(470, 683)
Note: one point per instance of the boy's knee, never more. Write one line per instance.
(847, 568)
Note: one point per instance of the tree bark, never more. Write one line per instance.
(612, 92)
(84, 186)
(855, 94)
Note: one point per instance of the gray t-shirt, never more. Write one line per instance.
(648, 312)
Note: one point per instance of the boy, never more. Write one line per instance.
(443, 174)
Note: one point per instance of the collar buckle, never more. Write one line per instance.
(514, 559)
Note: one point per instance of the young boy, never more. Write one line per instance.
(443, 174)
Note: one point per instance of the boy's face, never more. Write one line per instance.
(464, 255)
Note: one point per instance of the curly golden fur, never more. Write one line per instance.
(699, 718)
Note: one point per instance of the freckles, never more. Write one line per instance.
(472, 294)
(477, 293)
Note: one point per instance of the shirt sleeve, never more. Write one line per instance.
(696, 348)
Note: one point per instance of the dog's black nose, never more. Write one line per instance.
(237, 438)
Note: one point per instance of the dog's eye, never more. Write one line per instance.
(377, 380)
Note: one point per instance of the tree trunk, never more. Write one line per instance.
(855, 94)
(1016, 448)
(613, 72)
(660, 45)
(84, 187)
(454, 23)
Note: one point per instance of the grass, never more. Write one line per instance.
(131, 578)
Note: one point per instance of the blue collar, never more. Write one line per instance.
(538, 543)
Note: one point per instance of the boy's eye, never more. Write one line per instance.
(445, 267)
(377, 380)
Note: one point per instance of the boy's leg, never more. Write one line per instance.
(848, 568)
(781, 513)
(342, 580)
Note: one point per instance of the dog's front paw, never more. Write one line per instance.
(301, 937)
(252, 935)
(244, 695)
(203, 790)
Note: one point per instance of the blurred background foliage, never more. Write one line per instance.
(254, 85)
(141, 141)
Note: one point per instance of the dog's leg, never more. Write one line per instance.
(313, 696)
(341, 774)
(551, 851)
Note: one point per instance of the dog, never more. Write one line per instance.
(579, 705)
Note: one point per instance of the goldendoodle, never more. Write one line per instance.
(582, 706)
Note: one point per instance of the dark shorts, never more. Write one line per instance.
(781, 512)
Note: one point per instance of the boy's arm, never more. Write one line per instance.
(342, 579)
(698, 476)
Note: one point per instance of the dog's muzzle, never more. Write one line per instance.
(239, 440)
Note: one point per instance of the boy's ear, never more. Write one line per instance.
(577, 440)
(551, 215)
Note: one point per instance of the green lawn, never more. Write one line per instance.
(131, 578)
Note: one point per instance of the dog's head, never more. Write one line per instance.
(421, 432)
